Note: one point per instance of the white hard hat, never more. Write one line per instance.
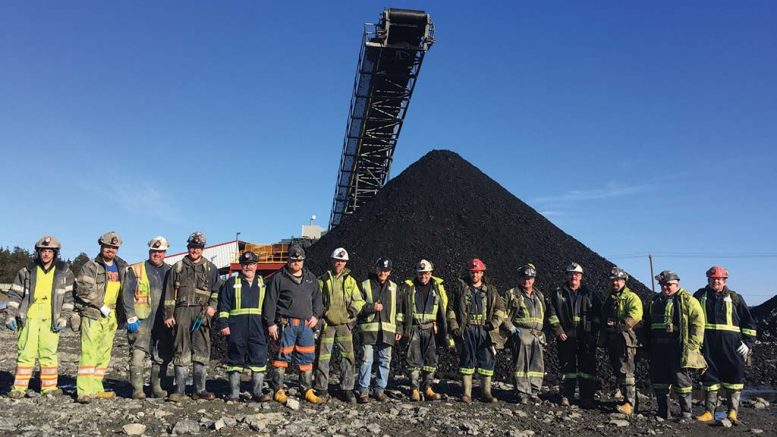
(574, 268)
(424, 266)
(340, 253)
(158, 243)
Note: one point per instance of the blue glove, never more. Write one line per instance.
(134, 325)
(11, 323)
(60, 325)
(515, 331)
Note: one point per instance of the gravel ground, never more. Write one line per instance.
(41, 416)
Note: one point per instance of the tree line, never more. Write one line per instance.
(12, 260)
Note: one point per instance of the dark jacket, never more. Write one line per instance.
(583, 319)
(90, 289)
(495, 310)
(244, 300)
(288, 298)
(191, 284)
(439, 318)
(22, 292)
(719, 309)
(382, 325)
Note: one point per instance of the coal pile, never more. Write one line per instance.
(766, 316)
(444, 209)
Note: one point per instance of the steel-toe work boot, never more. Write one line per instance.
(234, 386)
(380, 396)
(415, 395)
(563, 402)
(733, 405)
(136, 379)
(15, 394)
(179, 395)
(199, 384)
(363, 397)
(662, 399)
(466, 383)
(430, 395)
(710, 403)
(626, 409)
(310, 396)
(157, 374)
(487, 396)
(349, 397)
(280, 397)
(257, 381)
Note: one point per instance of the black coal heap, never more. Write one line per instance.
(444, 209)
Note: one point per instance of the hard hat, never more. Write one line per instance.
(248, 257)
(717, 272)
(527, 271)
(47, 242)
(110, 238)
(618, 273)
(340, 254)
(667, 277)
(574, 267)
(158, 243)
(296, 253)
(424, 266)
(476, 265)
(383, 263)
(196, 239)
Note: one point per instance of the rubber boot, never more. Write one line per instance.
(306, 381)
(277, 385)
(487, 396)
(179, 395)
(157, 374)
(662, 399)
(466, 383)
(733, 405)
(415, 383)
(629, 400)
(710, 403)
(136, 379)
(429, 394)
(200, 375)
(257, 382)
(686, 404)
(234, 386)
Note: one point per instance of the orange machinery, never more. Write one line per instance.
(271, 257)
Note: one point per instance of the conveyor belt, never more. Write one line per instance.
(389, 62)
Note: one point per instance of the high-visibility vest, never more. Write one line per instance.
(142, 299)
(439, 298)
(370, 324)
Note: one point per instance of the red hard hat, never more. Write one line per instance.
(717, 272)
(476, 265)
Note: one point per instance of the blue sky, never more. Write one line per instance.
(637, 127)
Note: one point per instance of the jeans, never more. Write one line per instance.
(365, 369)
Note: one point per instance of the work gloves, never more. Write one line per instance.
(105, 311)
(515, 331)
(743, 349)
(10, 323)
(133, 324)
(60, 325)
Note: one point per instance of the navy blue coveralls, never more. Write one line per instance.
(240, 309)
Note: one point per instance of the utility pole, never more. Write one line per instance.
(652, 278)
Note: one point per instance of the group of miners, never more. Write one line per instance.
(302, 320)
